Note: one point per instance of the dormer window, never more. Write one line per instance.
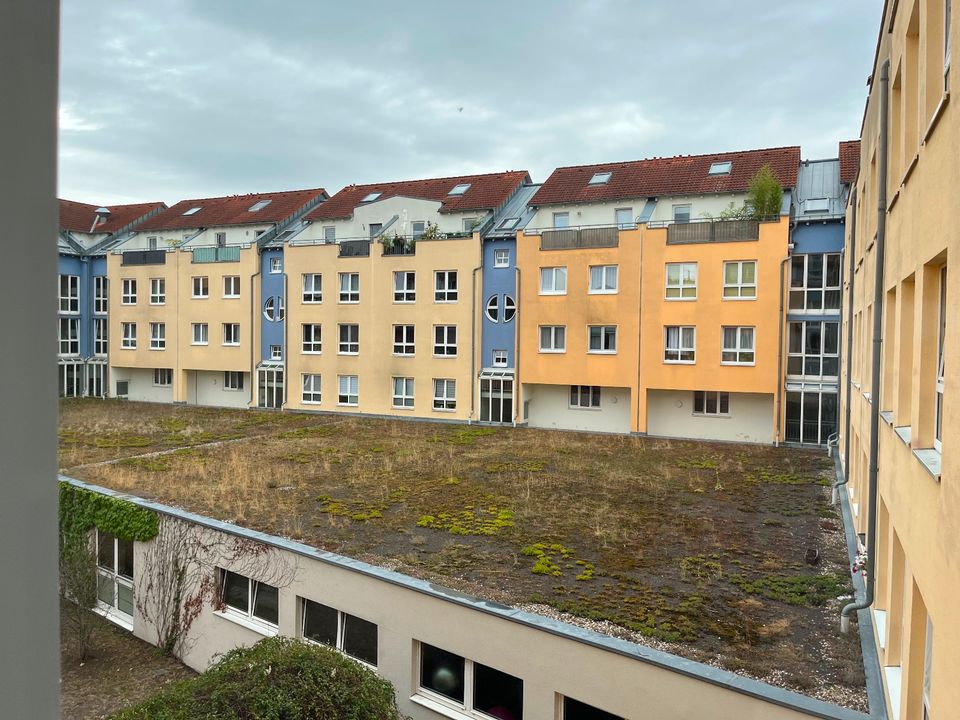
(459, 189)
(192, 211)
(370, 197)
(260, 205)
(816, 205)
(720, 168)
(600, 178)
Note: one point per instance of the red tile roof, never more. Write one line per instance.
(849, 161)
(232, 210)
(79, 217)
(486, 192)
(655, 177)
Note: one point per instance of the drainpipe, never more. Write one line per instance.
(780, 380)
(473, 336)
(517, 398)
(875, 359)
(283, 330)
(254, 383)
(641, 238)
(852, 258)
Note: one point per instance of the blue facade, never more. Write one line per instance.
(271, 288)
(499, 283)
(824, 237)
(85, 268)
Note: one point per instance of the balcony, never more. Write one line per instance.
(216, 254)
(354, 248)
(713, 231)
(607, 236)
(144, 257)
(400, 248)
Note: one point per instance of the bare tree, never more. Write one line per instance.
(78, 587)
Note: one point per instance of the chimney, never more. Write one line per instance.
(100, 216)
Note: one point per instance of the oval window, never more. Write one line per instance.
(269, 309)
(493, 309)
(509, 308)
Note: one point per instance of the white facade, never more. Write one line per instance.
(140, 385)
(605, 213)
(166, 239)
(548, 406)
(670, 414)
(206, 387)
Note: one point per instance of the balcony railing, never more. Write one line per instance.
(144, 257)
(711, 231)
(216, 254)
(400, 247)
(354, 248)
(578, 238)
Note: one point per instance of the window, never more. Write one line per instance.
(738, 346)
(941, 342)
(129, 336)
(600, 178)
(152, 243)
(576, 710)
(501, 258)
(469, 224)
(706, 402)
(446, 286)
(815, 282)
(158, 291)
(349, 340)
(129, 296)
(444, 394)
(349, 287)
(500, 358)
(311, 339)
(99, 336)
(201, 287)
(813, 348)
(232, 380)
(584, 396)
(329, 233)
(158, 336)
(115, 574)
(349, 390)
(69, 336)
(947, 18)
(221, 239)
(249, 599)
(231, 286)
(403, 340)
(679, 344)
(404, 286)
(270, 309)
(492, 308)
(100, 285)
(163, 377)
(681, 213)
(740, 280)
(553, 281)
(459, 189)
(445, 340)
(403, 393)
(69, 293)
(681, 281)
(468, 686)
(720, 168)
(561, 219)
(927, 667)
(193, 211)
(508, 223)
(259, 205)
(311, 389)
(276, 265)
(370, 197)
(509, 308)
(623, 217)
(231, 333)
(347, 633)
(417, 228)
(603, 279)
(374, 229)
(312, 288)
(553, 338)
(199, 333)
(276, 352)
(602, 338)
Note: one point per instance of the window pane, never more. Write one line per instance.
(724, 403)
(729, 338)
(833, 270)
(124, 599)
(698, 401)
(711, 408)
(673, 274)
(596, 278)
(360, 639)
(749, 273)
(796, 271)
(319, 623)
(545, 337)
(746, 338)
(236, 591)
(815, 271)
(442, 672)
(497, 693)
(265, 604)
(730, 273)
(576, 710)
(105, 550)
(125, 558)
(831, 338)
(793, 417)
(105, 587)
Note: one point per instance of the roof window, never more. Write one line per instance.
(370, 197)
(459, 189)
(600, 178)
(817, 205)
(509, 223)
(193, 211)
(259, 205)
(721, 168)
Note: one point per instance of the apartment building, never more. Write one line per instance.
(186, 302)
(86, 233)
(385, 291)
(898, 445)
(642, 306)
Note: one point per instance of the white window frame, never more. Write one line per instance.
(740, 287)
(158, 291)
(101, 343)
(112, 575)
(311, 338)
(403, 389)
(404, 340)
(311, 388)
(927, 667)
(449, 706)
(404, 291)
(501, 257)
(549, 277)
(128, 335)
(719, 397)
(618, 215)
(605, 331)
(329, 233)
(738, 353)
(561, 220)
(682, 290)
(605, 286)
(129, 294)
(584, 397)
(349, 284)
(312, 288)
(69, 302)
(276, 265)
(352, 393)
(220, 239)
(342, 622)
(69, 343)
(443, 293)
(509, 308)
(940, 382)
(231, 334)
(417, 228)
(350, 345)
(675, 355)
(233, 380)
(158, 336)
(101, 295)
(200, 287)
(231, 286)
(804, 291)
(442, 400)
(822, 356)
(683, 210)
(491, 310)
(552, 333)
(253, 586)
(201, 331)
(442, 345)
(162, 377)
(501, 358)
(276, 352)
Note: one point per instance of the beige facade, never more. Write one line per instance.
(918, 508)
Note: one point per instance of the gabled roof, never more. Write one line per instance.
(849, 161)
(486, 192)
(233, 210)
(655, 177)
(79, 217)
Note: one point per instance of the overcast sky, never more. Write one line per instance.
(174, 99)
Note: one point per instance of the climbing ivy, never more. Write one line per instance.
(81, 510)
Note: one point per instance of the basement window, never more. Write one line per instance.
(720, 168)
(600, 178)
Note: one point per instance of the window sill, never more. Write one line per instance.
(441, 708)
(548, 294)
(601, 352)
(930, 459)
(404, 355)
(935, 119)
(348, 302)
(866, 396)
(117, 618)
(739, 299)
(157, 349)
(887, 417)
(909, 170)
(603, 292)
(892, 674)
(311, 302)
(679, 362)
(669, 299)
(552, 352)
(311, 352)
(404, 302)
(445, 410)
(904, 432)
(340, 404)
(231, 297)
(738, 364)
(880, 627)
(445, 357)
(352, 354)
(712, 416)
(258, 627)
(577, 407)
(199, 344)
(231, 345)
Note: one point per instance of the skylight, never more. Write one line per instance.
(459, 189)
(371, 197)
(192, 211)
(721, 168)
(259, 205)
(509, 223)
(600, 178)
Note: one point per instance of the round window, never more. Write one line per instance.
(509, 308)
(493, 309)
(270, 309)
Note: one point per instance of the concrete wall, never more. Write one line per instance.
(670, 414)
(206, 388)
(141, 387)
(500, 282)
(549, 407)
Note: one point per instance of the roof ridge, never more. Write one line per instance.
(678, 157)
(253, 194)
(432, 179)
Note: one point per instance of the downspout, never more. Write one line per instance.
(516, 342)
(254, 381)
(780, 378)
(875, 359)
(283, 330)
(473, 336)
(642, 236)
(851, 261)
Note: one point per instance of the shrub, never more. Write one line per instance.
(276, 679)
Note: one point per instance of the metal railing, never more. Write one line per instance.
(400, 247)
(143, 257)
(577, 238)
(216, 254)
(710, 231)
(354, 248)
